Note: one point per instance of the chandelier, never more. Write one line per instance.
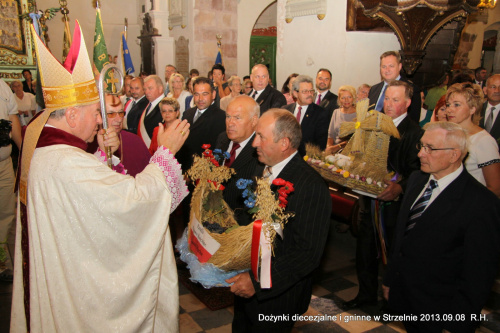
(488, 4)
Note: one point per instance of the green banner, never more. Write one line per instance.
(100, 51)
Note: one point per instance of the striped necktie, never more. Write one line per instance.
(419, 206)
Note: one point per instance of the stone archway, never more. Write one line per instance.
(263, 41)
(248, 13)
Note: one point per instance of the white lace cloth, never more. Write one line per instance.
(167, 163)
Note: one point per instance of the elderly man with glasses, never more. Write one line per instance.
(402, 159)
(447, 240)
(132, 152)
(313, 119)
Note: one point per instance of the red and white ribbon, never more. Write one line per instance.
(262, 246)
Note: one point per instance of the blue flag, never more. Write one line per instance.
(218, 59)
(127, 60)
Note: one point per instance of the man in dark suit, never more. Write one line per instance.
(241, 118)
(136, 107)
(325, 98)
(207, 122)
(447, 242)
(480, 75)
(489, 115)
(403, 160)
(266, 96)
(151, 116)
(390, 70)
(313, 119)
(298, 253)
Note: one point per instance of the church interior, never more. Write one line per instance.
(288, 36)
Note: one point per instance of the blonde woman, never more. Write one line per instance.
(463, 107)
(346, 112)
(177, 90)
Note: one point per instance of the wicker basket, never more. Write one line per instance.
(234, 252)
(329, 175)
(368, 149)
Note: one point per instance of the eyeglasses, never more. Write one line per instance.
(429, 150)
(307, 92)
(114, 114)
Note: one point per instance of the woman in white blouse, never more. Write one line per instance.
(463, 106)
(178, 91)
(26, 103)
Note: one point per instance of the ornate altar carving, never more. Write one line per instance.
(415, 21)
(16, 48)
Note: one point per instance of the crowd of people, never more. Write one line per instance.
(446, 197)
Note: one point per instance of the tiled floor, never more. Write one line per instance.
(336, 282)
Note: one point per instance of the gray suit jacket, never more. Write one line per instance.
(495, 130)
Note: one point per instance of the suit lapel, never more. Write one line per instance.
(308, 117)
(483, 112)
(447, 199)
(289, 168)
(203, 118)
(153, 111)
(245, 155)
(325, 101)
(413, 193)
(443, 205)
(225, 143)
(262, 97)
(374, 93)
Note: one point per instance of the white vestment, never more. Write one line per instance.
(100, 253)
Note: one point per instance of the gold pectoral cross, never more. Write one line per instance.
(112, 81)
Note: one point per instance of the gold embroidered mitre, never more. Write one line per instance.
(64, 86)
(70, 84)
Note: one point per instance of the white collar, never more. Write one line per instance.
(397, 79)
(242, 144)
(399, 119)
(156, 101)
(278, 167)
(448, 179)
(201, 111)
(322, 94)
(489, 106)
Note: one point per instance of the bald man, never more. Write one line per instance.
(491, 108)
(242, 116)
(132, 151)
(266, 96)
